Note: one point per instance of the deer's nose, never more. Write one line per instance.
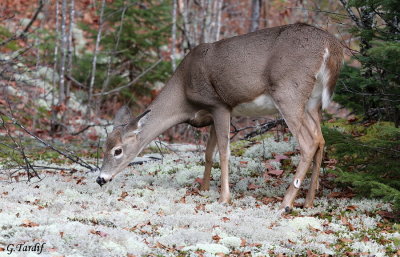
(101, 181)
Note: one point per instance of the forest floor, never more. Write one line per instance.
(156, 209)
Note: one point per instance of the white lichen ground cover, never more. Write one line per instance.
(156, 209)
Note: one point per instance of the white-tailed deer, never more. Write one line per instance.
(289, 69)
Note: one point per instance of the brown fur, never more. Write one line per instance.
(213, 79)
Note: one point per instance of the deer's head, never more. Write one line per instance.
(123, 144)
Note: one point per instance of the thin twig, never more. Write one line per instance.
(25, 31)
(89, 126)
(73, 158)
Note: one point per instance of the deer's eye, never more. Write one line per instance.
(117, 152)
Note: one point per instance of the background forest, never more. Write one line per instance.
(66, 67)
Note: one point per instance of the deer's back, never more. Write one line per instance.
(238, 69)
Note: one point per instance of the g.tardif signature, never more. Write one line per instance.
(38, 248)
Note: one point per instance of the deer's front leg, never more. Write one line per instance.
(212, 142)
(222, 127)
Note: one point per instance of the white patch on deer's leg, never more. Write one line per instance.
(297, 183)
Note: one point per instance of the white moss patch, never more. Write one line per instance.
(155, 208)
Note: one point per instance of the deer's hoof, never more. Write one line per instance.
(308, 205)
(224, 201)
(288, 209)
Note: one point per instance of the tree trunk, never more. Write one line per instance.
(94, 62)
(64, 41)
(255, 15)
(53, 123)
(173, 32)
(70, 53)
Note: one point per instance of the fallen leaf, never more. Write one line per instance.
(29, 224)
(279, 157)
(182, 200)
(310, 253)
(386, 214)
(216, 238)
(313, 229)
(200, 207)
(225, 219)
(2, 249)
(252, 186)
(351, 207)
(346, 240)
(267, 200)
(220, 254)
(123, 195)
(159, 245)
(351, 228)
(99, 233)
(275, 172)
(334, 194)
(243, 242)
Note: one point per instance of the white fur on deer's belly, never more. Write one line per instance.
(260, 106)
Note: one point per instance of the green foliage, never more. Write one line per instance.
(133, 35)
(370, 162)
(374, 88)
(4, 35)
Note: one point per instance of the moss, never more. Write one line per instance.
(239, 147)
(261, 137)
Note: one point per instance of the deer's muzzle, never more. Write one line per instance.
(101, 181)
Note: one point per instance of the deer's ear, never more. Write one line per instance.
(135, 123)
(123, 116)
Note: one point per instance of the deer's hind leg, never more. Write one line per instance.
(295, 112)
(309, 202)
(211, 143)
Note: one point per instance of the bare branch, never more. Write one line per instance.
(89, 126)
(132, 82)
(75, 82)
(261, 129)
(71, 157)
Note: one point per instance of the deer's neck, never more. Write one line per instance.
(168, 109)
